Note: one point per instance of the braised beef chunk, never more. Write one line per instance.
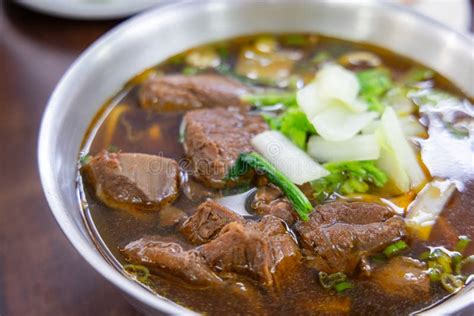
(208, 220)
(258, 250)
(181, 93)
(165, 258)
(214, 138)
(342, 234)
(269, 200)
(133, 181)
(403, 277)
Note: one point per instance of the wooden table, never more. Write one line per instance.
(40, 272)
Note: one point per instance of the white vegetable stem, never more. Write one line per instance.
(290, 160)
(360, 147)
(337, 123)
(423, 212)
(332, 83)
(332, 106)
(398, 158)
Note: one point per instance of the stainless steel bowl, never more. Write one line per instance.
(173, 27)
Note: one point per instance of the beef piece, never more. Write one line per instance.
(208, 220)
(259, 250)
(214, 138)
(133, 181)
(169, 258)
(182, 93)
(403, 277)
(269, 200)
(342, 234)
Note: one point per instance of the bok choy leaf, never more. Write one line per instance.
(255, 161)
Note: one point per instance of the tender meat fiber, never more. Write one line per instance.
(259, 250)
(214, 138)
(342, 234)
(269, 200)
(403, 277)
(208, 220)
(169, 258)
(182, 93)
(133, 181)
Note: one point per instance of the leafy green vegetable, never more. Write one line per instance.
(287, 99)
(395, 248)
(253, 160)
(348, 177)
(374, 83)
(418, 74)
(294, 124)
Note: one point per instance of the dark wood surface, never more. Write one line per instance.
(40, 272)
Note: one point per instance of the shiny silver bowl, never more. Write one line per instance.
(151, 37)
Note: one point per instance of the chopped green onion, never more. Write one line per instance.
(271, 98)
(189, 71)
(341, 287)
(84, 160)
(296, 40)
(395, 248)
(141, 272)
(462, 243)
(253, 160)
(112, 148)
(329, 281)
(419, 74)
(321, 57)
(451, 283)
(425, 255)
(434, 274)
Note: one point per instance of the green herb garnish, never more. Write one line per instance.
(255, 161)
(287, 99)
(395, 248)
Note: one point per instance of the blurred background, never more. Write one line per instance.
(40, 273)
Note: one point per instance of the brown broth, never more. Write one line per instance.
(124, 125)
